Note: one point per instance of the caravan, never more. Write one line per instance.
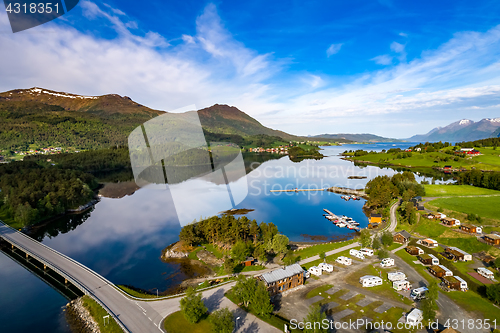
(401, 285)
(356, 254)
(387, 262)
(415, 317)
(396, 276)
(486, 273)
(315, 271)
(326, 267)
(463, 283)
(366, 252)
(344, 260)
(370, 281)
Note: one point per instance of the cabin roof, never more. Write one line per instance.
(376, 215)
(282, 273)
(493, 236)
(404, 233)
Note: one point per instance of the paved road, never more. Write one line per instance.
(133, 316)
(329, 253)
(394, 220)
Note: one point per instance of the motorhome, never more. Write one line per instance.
(418, 293)
(415, 317)
(370, 281)
(357, 254)
(463, 283)
(486, 273)
(344, 260)
(387, 262)
(366, 252)
(401, 285)
(326, 267)
(315, 271)
(396, 276)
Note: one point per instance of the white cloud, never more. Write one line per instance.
(333, 49)
(402, 34)
(384, 59)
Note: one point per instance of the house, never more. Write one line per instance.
(375, 218)
(440, 271)
(420, 207)
(428, 259)
(492, 239)
(283, 279)
(249, 261)
(370, 281)
(455, 253)
(428, 242)
(448, 221)
(402, 237)
(472, 229)
(414, 250)
(439, 216)
(486, 273)
(447, 168)
(451, 282)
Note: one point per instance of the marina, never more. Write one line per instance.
(341, 221)
(299, 190)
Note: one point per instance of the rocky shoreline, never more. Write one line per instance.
(79, 318)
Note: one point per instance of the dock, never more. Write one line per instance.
(342, 221)
(300, 190)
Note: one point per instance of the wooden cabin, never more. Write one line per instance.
(451, 282)
(283, 279)
(492, 239)
(429, 242)
(248, 261)
(428, 259)
(454, 253)
(439, 271)
(472, 229)
(402, 237)
(413, 250)
(448, 221)
(375, 218)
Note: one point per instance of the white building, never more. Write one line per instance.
(370, 281)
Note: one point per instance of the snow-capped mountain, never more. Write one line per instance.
(462, 130)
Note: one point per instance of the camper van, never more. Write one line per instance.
(435, 260)
(486, 273)
(447, 272)
(401, 285)
(396, 276)
(326, 267)
(387, 262)
(414, 317)
(356, 254)
(344, 260)
(315, 270)
(366, 252)
(370, 281)
(418, 293)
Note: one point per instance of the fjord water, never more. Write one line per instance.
(122, 239)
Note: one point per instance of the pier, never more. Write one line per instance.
(342, 221)
(300, 190)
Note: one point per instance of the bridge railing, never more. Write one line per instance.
(62, 272)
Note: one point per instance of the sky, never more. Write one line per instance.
(387, 67)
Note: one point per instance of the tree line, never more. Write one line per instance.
(490, 180)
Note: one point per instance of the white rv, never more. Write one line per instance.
(479, 230)
(401, 285)
(315, 270)
(447, 272)
(418, 293)
(414, 317)
(326, 267)
(366, 252)
(387, 262)
(356, 254)
(396, 276)
(344, 260)
(370, 281)
(463, 283)
(435, 260)
(486, 273)
(420, 251)
(457, 222)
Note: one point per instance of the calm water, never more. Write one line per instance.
(122, 238)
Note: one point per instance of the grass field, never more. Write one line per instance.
(483, 206)
(456, 190)
(97, 312)
(317, 249)
(177, 323)
(135, 293)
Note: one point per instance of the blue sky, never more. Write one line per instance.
(392, 68)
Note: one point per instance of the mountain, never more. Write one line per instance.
(357, 137)
(40, 117)
(496, 134)
(462, 130)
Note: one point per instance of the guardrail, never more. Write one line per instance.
(66, 275)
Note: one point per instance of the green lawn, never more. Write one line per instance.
(97, 312)
(318, 290)
(456, 190)
(241, 268)
(483, 206)
(135, 293)
(468, 244)
(428, 228)
(324, 247)
(177, 323)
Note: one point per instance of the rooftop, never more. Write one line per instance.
(404, 233)
(282, 273)
(493, 236)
